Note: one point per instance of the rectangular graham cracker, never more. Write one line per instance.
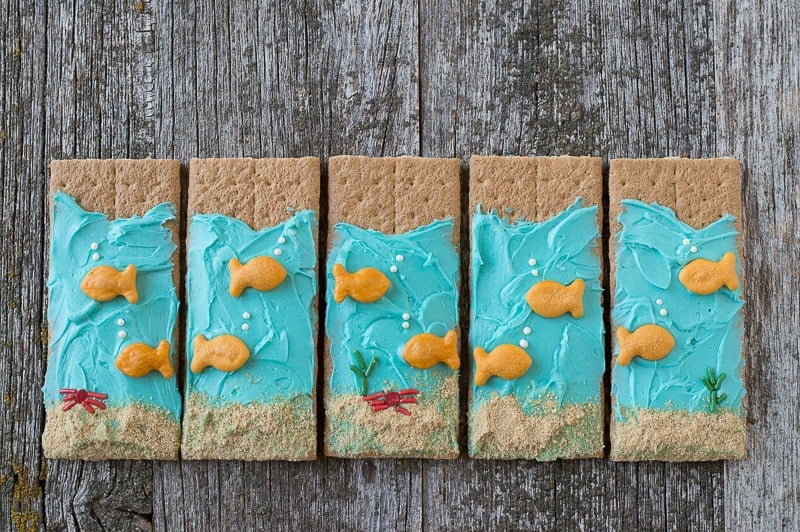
(251, 355)
(111, 214)
(391, 354)
(537, 369)
(674, 405)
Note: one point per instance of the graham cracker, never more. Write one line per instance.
(119, 188)
(535, 189)
(262, 193)
(393, 195)
(700, 192)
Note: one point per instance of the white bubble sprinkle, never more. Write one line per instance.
(659, 301)
(406, 325)
(523, 344)
(663, 312)
(122, 334)
(526, 330)
(282, 240)
(393, 269)
(121, 322)
(531, 262)
(94, 245)
(246, 315)
(278, 252)
(399, 258)
(95, 256)
(693, 249)
(406, 316)
(535, 272)
(686, 241)
(245, 326)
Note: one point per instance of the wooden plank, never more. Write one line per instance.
(287, 81)
(22, 210)
(758, 73)
(663, 105)
(291, 79)
(530, 81)
(510, 78)
(91, 83)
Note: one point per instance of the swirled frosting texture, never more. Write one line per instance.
(424, 287)
(84, 334)
(281, 324)
(567, 353)
(652, 247)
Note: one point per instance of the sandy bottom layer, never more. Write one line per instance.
(136, 432)
(500, 429)
(431, 431)
(281, 430)
(678, 436)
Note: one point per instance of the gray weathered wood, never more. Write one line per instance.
(758, 104)
(289, 81)
(22, 269)
(135, 79)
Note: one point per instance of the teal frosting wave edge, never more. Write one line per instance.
(424, 286)
(281, 327)
(84, 334)
(652, 247)
(567, 353)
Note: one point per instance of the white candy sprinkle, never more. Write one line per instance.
(526, 330)
(393, 269)
(120, 322)
(94, 246)
(246, 315)
(531, 262)
(406, 325)
(245, 326)
(278, 252)
(523, 344)
(686, 241)
(663, 312)
(406, 316)
(535, 272)
(659, 301)
(281, 240)
(95, 256)
(399, 258)
(122, 334)
(693, 249)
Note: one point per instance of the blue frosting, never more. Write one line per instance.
(567, 353)
(424, 286)
(84, 334)
(653, 246)
(282, 324)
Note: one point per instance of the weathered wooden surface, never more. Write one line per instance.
(445, 78)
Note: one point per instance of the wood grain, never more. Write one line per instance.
(756, 55)
(624, 78)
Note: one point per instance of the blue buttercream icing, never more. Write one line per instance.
(652, 248)
(507, 260)
(424, 287)
(281, 327)
(85, 334)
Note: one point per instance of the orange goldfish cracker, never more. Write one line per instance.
(367, 285)
(651, 342)
(704, 276)
(425, 350)
(139, 359)
(260, 273)
(225, 353)
(506, 361)
(104, 283)
(552, 299)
